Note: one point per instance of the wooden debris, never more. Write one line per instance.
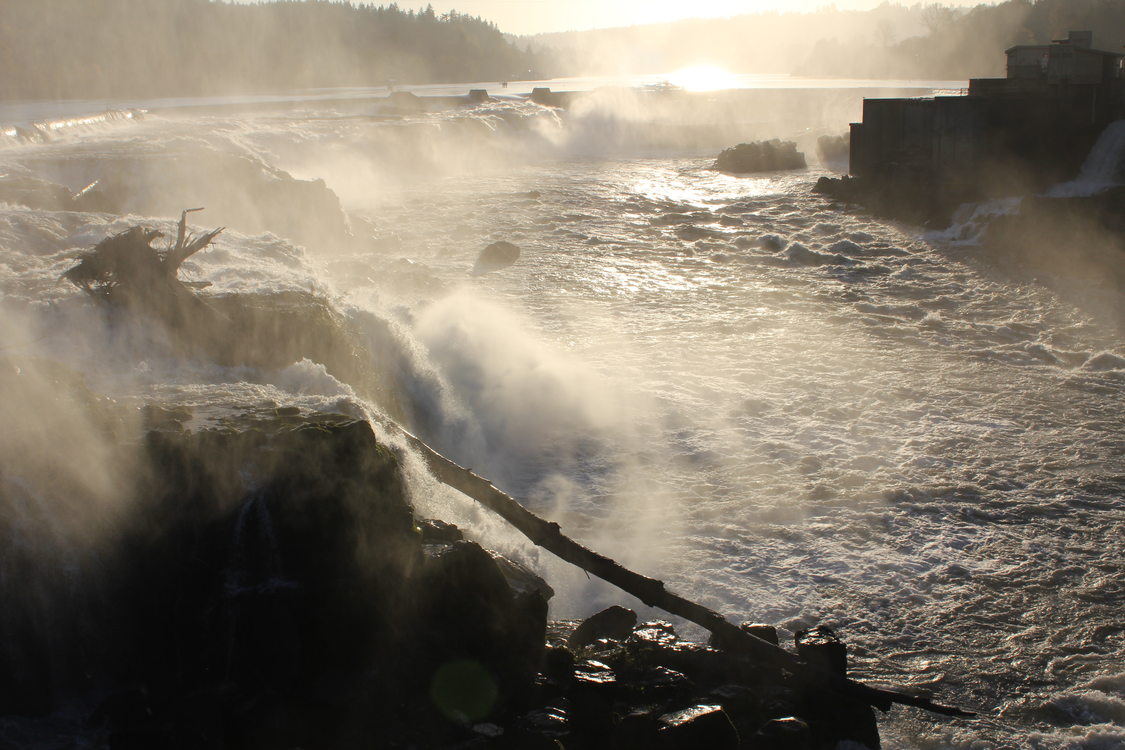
(128, 264)
(128, 273)
(652, 592)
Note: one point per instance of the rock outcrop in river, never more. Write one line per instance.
(760, 156)
(272, 587)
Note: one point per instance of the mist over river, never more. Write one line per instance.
(793, 413)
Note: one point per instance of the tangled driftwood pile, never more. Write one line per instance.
(128, 264)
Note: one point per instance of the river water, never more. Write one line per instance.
(790, 412)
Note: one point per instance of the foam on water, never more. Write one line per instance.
(789, 413)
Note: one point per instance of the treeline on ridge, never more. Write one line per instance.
(894, 40)
(959, 43)
(138, 48)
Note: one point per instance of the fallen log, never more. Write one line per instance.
(549, 536)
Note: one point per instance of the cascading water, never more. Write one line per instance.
(791, 413)
(1104, 167)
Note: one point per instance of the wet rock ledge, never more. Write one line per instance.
(272, 588)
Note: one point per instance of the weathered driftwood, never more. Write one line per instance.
(128, 264)
(127, 272)
(652, 592)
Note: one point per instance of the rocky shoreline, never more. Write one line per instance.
(272, 587)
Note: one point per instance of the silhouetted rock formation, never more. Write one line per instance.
(138, 285)
(240, 191)
(270, 586)
(760, 156)
(496, 256)
(270, 575)
(646, 687)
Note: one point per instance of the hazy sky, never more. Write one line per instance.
(535, 16)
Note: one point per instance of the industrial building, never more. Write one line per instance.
(1003, 136)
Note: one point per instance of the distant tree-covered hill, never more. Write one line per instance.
(894, 40)
(970, 43)
(106, 48)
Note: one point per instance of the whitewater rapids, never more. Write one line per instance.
(791, 413)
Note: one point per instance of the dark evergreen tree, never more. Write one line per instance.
(135, 48)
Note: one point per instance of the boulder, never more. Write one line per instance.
(496, 256)
(760, 156)
(403, 103)
(30, 191)
(435, 531)
(656, 690)
(483, 617)
(613, 622)
(835, 718)
(698, 727)
(592, 694)
(767, 633)
(784, 733)
(822, 650)
(547, 728)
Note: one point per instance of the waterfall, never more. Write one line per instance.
(1104, 166)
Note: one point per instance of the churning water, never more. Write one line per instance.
(792, 413)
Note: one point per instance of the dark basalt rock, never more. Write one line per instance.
(558, 665)
(496, 256)
(760, 156)
(613, 622)
(697, 727)
(403, 103)
(545, 728)
(915, 202)
(592, 694)
(470, 615)
(822, 650)
(767, 633)
(239, 191)
(786, 733)
(657, 685)
(439, 532)
(654, 636)
(833, 718)
(30, 191)
(271, 588)
(655, 690)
